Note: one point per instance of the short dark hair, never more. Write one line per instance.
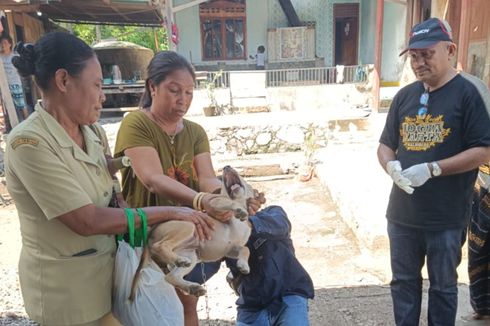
(160, 67)
(53, 51)
(8, 38)
(261, 49)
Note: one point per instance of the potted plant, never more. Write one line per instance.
(307, 169)
(210, 86)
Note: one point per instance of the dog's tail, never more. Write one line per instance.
(144, 258)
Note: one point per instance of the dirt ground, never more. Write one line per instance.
(350, 282)
(325, 246)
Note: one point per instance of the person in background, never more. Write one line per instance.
(435, 137)
(479, 246)
(13, 78)
(57, 174)
(170, 155)
(276, 291)
(260, 57)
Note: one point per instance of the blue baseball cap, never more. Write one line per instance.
(428, 33)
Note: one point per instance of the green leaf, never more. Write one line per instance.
(144, 36)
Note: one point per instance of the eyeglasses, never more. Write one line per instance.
(424, 101)
(421, 54)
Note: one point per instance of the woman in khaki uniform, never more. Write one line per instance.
(57, 175)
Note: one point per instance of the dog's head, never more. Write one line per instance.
(238, 190)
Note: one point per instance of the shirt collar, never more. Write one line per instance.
(92, 142)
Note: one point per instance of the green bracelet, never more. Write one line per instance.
(144, 225)
(130, 216)
(138, 236)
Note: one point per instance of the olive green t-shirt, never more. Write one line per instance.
(177, 159)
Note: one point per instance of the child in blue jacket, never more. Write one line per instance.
(277, 290)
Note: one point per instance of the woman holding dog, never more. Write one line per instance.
(58, 177)
(170, 156)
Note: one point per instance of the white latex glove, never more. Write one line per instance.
(394, 169)
(417, 174)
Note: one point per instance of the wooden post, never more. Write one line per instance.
(7, 97)
(463, 35)
(170, 20)
(409, 24)
(98, 34)
(155, 39)
(378, 46)
(168, 14)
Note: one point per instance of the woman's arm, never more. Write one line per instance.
(148, 168)
(208, 182)
(91, 220)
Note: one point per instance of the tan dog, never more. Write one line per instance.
(174, 246)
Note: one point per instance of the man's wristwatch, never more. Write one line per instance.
(435, 169)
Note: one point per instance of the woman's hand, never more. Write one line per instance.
(254, 204)
(204, 223)
(221, 215)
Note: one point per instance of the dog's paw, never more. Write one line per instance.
(243, 267)
(197, 290)
(182, 262)
(241, 214)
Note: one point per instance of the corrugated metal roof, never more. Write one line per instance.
(120, 12)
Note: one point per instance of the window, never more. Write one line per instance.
(223, 30)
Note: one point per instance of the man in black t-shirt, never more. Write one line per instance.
(435, 137)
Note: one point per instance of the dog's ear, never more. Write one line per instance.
(249, 192)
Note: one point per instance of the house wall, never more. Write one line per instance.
(367, 32)
(394, 25)
(320, 11)
(262, 15)
(187, 21)
(190, 33)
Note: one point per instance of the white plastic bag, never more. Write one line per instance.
(156, 303)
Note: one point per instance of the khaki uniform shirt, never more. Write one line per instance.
(49, 175)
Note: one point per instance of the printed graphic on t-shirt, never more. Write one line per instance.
(423, 132)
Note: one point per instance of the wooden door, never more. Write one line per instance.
(346, 28)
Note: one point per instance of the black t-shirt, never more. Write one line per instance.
(457, 119)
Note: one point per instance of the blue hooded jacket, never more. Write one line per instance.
(274, 270)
